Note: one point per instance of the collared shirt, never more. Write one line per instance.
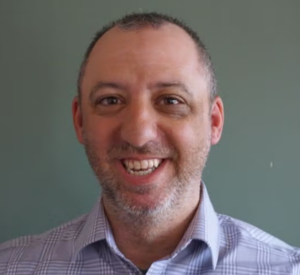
(212, 244)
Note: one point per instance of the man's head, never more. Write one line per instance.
(154, 20)
(147, 117)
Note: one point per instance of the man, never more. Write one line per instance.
(147, 113)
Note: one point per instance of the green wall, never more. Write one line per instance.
(45, 178)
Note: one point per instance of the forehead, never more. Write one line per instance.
(137, 55)
(145, 41)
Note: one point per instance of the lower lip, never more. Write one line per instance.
(144, 179)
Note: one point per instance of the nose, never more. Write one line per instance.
(139, 124)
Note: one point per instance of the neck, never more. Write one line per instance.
(146, 240)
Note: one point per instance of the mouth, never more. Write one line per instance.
(141, 167)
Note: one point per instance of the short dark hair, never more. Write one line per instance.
(155, 20)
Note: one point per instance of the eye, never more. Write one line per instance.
(169, 100)
(109, 100)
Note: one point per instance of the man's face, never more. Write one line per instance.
(145, 118)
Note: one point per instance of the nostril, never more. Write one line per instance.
(138, 132)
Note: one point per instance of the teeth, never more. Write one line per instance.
(141, 173)
(130, 164)
(145, 166)
(136, 165)
(156, 162)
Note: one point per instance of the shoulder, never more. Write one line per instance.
(245, 239)
(36, 248)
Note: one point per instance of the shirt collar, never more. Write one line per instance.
(204, 227)
(93, 229)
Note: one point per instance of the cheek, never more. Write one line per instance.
(190, 135)
(100, 133)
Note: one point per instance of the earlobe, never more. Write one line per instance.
(217, 120)
(77, 119)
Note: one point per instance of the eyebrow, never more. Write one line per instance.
(173, 84)
(102, 85)
(158, 85)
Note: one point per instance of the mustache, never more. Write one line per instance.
(150, 148)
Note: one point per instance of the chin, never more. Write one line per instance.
(142, 204)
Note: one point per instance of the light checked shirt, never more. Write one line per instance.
(212, 244)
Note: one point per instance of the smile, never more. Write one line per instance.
(141, 167)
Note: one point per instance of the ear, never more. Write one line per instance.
(77, 119)
(217, 120)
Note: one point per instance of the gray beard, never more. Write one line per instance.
(180, 186)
